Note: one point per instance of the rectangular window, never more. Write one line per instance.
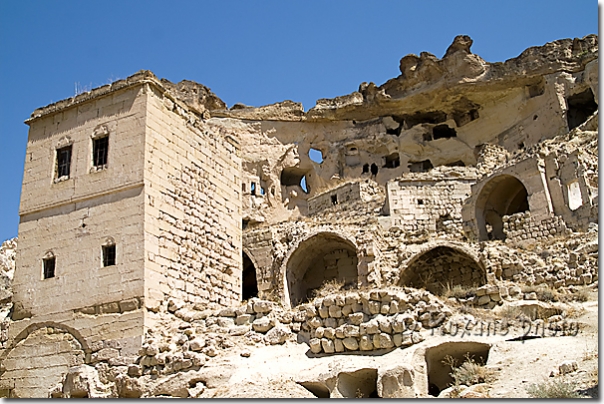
(64, 162)
(100, 148)
(108, 255)
(49, 267)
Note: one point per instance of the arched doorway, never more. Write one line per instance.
(502, 195)
(249, 283)
(322, 257)
(443, 267)
(40, 360)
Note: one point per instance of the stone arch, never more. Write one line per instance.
(500, 196)
(437, 267)
(39, 357)
(249, 276)
(320, 257)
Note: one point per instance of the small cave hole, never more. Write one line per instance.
(319, 390)
(374, 169)
(420, 166)
(443, 132)
(580, 107)
(365, 168)
(439, 359)
(457, 163)
(359, 384)
(420, 201)
(392, 161)
(334, 199)
(315, 155)
(536, 90)
(304, 184)
(463, 118)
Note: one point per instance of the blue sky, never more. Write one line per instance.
(254, 52)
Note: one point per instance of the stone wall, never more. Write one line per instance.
(193, 208)
(337, 196)
(367, 321)
(521, 228)
(424, 205)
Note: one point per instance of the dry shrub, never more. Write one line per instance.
(510, 312)
(328, 287)
(469, 372)
(544, 292)
(458, 291)
(553, 389)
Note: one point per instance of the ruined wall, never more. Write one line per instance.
(428, 204)
(193, 208)
(338, 196)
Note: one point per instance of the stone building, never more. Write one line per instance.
(143, 198)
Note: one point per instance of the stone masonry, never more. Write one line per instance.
(149, 210)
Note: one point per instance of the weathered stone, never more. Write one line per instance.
(315, 345)
(350, 343)
(262, 324)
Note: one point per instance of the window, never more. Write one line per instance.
(49, 267)
(63, 162)
(108, 255)
(100, 148)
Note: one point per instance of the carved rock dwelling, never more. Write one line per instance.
(150, 212)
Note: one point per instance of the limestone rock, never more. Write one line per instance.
(397, 382)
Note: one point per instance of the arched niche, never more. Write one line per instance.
(318, 259)
(500, 196)
(249, 281)
(442, 267)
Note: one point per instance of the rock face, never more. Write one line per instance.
(209, 237)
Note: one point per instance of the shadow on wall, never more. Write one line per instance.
(443, 267)
(503, 195)
(321, 258)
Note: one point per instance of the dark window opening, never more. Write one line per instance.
(463, 118)
(457, 163)
(535, 117)
(244, 224)
(334, 199)
(64, 162)
(431, 117)
(108, 255)
(262, 191)
(49, 267)
(365, 168)
(420, 166)
(536, 90)
(291, 176)
(443, 132)
(243, 187)
(393, 161)
(100, 148)
(420, 201)
(315, 155)
(580, 107)
(395, 132)
(253, 188)
(249, 284)
(374, 169)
